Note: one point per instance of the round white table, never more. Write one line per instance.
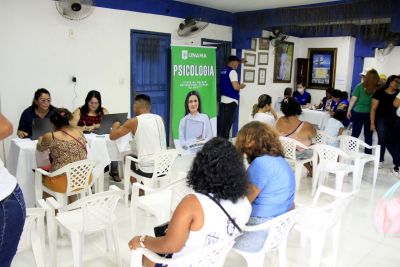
(23, 158)
(316, 117)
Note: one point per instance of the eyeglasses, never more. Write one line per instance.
(43, 101)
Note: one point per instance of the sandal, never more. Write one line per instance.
(115, 177)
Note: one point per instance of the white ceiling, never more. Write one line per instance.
(250, 5)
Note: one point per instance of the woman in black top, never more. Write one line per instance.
(41, 108)
(383, 111)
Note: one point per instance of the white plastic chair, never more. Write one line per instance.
(324, 138)
(160, 202)
(162, 171)
(87, 215)
(329, 157)
(289, 147)
(77, 173)
(33, 235)
(316, 222)
(352, 146)
(211, 255)
(278, 230)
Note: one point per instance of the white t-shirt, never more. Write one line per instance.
(265, 118)
(233, 76)
(332, 129)
(149, 139)
(398, 109)
(7, 182)
(216, 225)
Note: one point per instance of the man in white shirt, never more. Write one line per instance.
(149, 134)
(230, 87)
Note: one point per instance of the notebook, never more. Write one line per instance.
(108, 120)
(193, 129)
(41, 127)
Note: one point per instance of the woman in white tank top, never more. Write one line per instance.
(198, 221)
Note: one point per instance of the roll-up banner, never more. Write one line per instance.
(194, 97)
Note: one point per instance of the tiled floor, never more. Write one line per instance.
(360, 245)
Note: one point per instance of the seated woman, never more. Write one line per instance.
(88, 116)
(66, 144)
(41, 108)
(302, 96)
(327, 102)
(217, 171)
(335, 126)
(262, 111)
(289, 125)
(341, 103)
(272, 182)
(195, 127)
(287, 93)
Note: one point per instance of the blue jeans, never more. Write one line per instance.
(12, 219)
(361, 120)
(252, 241)
(382, 126)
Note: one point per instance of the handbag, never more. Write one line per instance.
(387, 213)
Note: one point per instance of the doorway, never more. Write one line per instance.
(150, 71)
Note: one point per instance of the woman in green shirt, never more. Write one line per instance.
(360, 106)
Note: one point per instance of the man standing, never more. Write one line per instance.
(149, 134)
(230, 87)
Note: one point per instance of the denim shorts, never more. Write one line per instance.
(305, 154)
(253, 241)
(12, 219)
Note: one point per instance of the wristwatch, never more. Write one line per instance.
(141, 241)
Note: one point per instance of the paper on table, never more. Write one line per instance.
(123, 143)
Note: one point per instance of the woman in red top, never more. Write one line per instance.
(88, 116)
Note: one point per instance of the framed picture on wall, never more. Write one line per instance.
(262, 58)
(253, 44)
(283, 62)
(250, 59)
(248, 76)
(263, 44)
(322, 67)
(262, 76)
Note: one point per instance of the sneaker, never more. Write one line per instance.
(396, 172)
(380, 166)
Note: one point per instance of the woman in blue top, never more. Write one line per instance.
(302, 96)
(272, 182)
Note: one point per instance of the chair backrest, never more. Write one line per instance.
(290, 146)
(338, 205)
(78, 175)
(323, 138)
(279, 230)
(179, 191)
(350, 143)
(98, 209)
(34, 217)
(329, 155)
(163, 162)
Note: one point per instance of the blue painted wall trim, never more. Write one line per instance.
(169, 8)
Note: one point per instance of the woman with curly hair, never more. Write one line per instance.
(272, 182)
(217, 172)
(66, 144)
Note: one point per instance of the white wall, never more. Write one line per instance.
(344, 71)
(40, 48)
(387, 65)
